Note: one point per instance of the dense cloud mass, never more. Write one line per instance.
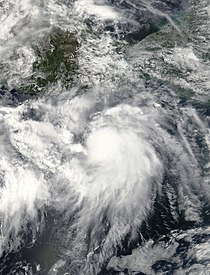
(104, 137)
